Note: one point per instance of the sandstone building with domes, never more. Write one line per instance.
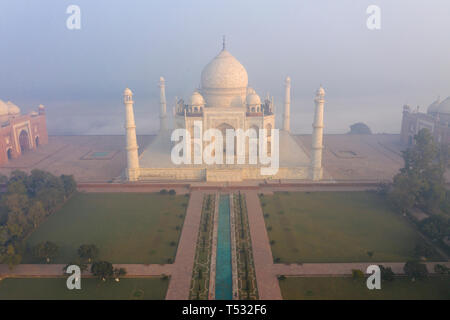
(20, 133)
(223, 101)
(436, 119)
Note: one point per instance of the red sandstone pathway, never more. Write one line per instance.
(340, 269)
(180, 281)
(142, 270)
(268, 288)
(55, 270)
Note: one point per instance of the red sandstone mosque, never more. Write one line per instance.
(437, 120)
(20, 133)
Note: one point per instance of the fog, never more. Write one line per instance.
(79, 75)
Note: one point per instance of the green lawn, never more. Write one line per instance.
(336, 227)
(126, 227)
(337, 288)
(91, 289)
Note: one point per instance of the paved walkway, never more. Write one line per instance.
(55, 270)
(268, 288)
(339, 269)
(181, 275)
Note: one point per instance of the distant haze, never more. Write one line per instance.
(79, 75)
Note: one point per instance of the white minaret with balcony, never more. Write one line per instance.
(163, 106)
(317, 136)
(132, 147)
(287, 105)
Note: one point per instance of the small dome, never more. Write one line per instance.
(197, 100)
(252, 98)
(12, 108)
(433, 108)
(128, 92)
(444, 106)
(3, 108)
(224, 72)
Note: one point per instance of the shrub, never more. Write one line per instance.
(386, 273)
(281, 277)
(163, 191)
(45, 251)
(102, 269)
(441, 269)
(436, 227)
(172, 192)
(357, 274)
(415, 270)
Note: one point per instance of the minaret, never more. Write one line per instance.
(132, 147)
(162, 112)
(287, 105)
(317, 136)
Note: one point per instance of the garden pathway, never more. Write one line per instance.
(268, 287)
(180, 281)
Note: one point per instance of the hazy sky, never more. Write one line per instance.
(80, 74)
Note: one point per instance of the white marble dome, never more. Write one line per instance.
(3, 108)
(12, 108)
(253, 99)
(197, 99)
(444, 106)
(224, 72)
(433, 108)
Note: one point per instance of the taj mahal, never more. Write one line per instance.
(224, 101)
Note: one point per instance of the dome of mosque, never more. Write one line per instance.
(224, 72)
(197, 99)
(253, 98)
(444, 106)
(3, 108)
(433, 108)
(12, 108)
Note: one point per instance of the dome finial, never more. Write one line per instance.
(223, 43)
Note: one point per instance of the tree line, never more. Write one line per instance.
(421, 184)
(26, 200)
